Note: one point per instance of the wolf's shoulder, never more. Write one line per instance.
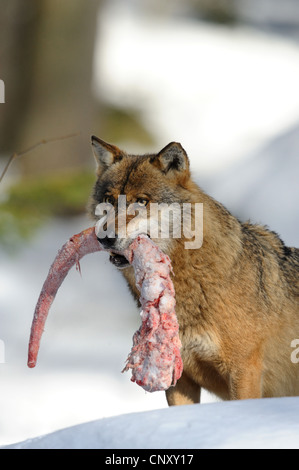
(270, 241)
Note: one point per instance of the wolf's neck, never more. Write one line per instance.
(221, 233)
(221, 241)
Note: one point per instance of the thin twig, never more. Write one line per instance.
(33, 147)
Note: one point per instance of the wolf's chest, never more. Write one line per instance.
(203, 364)
(199, 347)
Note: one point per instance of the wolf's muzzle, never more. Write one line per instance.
(108, 243)
(118, 260)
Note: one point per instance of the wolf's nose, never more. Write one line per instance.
(107, 242)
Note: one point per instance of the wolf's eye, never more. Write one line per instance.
(109, 199)
(142, 201)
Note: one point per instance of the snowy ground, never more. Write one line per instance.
(84, 348)
(252, 424)
(230, 97)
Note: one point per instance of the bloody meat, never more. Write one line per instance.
(155, 357)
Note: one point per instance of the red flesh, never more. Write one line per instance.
(155, 357)
(71, 252)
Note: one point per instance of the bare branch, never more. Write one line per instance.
(33, 147)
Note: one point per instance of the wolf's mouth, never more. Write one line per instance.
(119, 261)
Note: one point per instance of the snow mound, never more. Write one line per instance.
(267, 423)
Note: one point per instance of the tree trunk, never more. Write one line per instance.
(58, 86)
(18, 27)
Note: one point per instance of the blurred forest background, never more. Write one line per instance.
(220, 76)
(47, 62)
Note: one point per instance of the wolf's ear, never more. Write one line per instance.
(105, 154)
(172, 158)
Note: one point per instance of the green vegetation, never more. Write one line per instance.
(28, 204)
(120, 125)
(31, 202)
(216, 11)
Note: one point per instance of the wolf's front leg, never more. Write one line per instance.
(185, 392)
(246, 381)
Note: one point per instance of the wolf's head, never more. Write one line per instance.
(139, 194)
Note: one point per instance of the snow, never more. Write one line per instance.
(251, 424)
(230, 96)
(219, 91)
(84, 347)
(263, 187)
